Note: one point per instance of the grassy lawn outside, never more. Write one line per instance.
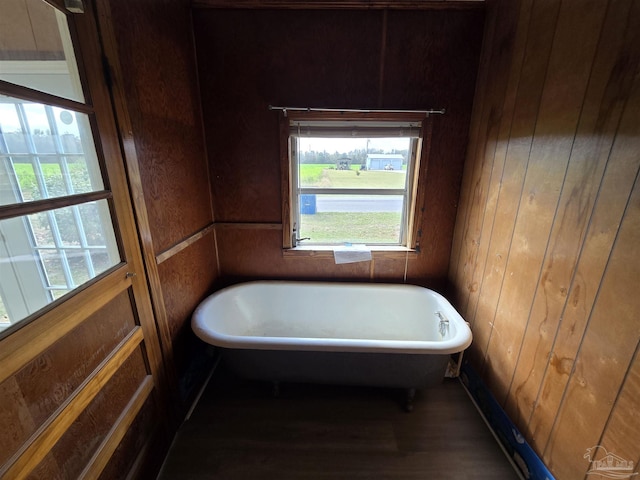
(340, 227)
(326, 176)
(53, 179)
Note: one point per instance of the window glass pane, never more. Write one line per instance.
(45, 152)
(100, 260)
(39, 131)
(79, 175)
(45, 255)
(94, 232)
(372, 219)
(35, 49)
(14, 137)
(4, 318)
(374, 163)
(25, 181)
(66, 221)
(79, 267)
(41, 228)
(53, 268)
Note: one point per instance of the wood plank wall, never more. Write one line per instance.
(545, 261)
(151, 54)
(363, 58)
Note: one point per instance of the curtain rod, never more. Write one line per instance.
(351, 110)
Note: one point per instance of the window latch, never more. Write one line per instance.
(301, 239)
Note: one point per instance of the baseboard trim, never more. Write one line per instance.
(526, 463)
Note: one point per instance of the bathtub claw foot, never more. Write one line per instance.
(275, 389)
(408, 404)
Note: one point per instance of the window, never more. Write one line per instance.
(352, 179)
(56, 231)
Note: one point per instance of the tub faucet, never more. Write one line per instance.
(443, 326)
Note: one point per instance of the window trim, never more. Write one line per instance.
(415, 193)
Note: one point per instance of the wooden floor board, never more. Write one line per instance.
(240, 431)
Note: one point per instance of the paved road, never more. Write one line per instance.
(327, 203)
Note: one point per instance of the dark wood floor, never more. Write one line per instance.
(240, 431)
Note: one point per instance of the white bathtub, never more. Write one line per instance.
(333, 332)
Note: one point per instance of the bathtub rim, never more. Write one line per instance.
(458, 343)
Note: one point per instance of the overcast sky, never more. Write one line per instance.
(344, 145)
(37, 118)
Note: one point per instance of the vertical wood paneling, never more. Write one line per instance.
(479, 101)
(529, 83)
(556, 328)
(481, 149)
(568, 73)
(603, 105)
(609, 343)
(510, 93)
(622, 166)
(622, 433)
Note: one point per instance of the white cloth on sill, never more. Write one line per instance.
(352, 254)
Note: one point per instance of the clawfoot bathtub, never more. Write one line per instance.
(384, 335)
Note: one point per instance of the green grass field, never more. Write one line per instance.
(340, 227)
(324, 176)
(53, 179)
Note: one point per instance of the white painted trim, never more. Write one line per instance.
(33, 67)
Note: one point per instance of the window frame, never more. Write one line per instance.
(416, 172)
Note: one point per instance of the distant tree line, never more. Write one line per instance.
(357, 157)
(16, 142)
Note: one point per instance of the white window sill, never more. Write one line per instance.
(326, 251)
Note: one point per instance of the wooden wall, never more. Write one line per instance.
(152, 62)
(546, 257)
(396, 59)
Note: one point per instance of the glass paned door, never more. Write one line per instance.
(56, 227)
